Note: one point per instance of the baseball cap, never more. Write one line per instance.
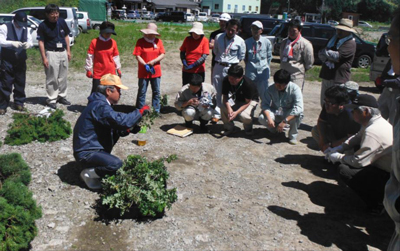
(363, 100)
(258, 24)
(225, 17)
(107, 27)
(21, 19)
(110, 79)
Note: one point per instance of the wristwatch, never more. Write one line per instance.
(285, 121)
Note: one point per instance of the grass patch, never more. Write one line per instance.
(357, 74)
(128, 33)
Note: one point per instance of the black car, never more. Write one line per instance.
(246, 21)
(118, 14)
(319, 35)
(173, 16)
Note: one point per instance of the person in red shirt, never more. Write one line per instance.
(194, 52)
(103, 55)
(149, 51)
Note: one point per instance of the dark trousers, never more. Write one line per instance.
(103, 162)
(368, 182)
(187, 77)
(95, 83)
(12, 74)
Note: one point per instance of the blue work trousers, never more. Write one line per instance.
(12, 74)
(103, 162)
(141, 96)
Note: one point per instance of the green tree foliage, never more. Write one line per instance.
(376, 10)
(7, 6)
(27, 128)
(18, 209)
(140, 183)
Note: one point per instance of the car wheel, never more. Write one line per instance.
(364, 61)
(97, 27)
(80, 29)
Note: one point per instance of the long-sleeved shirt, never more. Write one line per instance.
(230, 51)
(7, 43)
(375, 141)
(290, 100)
(303, 57)
(186, 94)
(258, 58)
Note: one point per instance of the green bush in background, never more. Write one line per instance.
(18, 209)
(27, 128)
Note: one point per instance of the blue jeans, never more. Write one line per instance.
(141, 96)
(103, 162)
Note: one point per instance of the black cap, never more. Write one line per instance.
(107, 27)
(363, 100)
(21, 19)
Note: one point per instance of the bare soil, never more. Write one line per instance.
(234, 193)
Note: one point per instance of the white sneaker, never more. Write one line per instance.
(91, 179)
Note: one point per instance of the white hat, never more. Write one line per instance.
(346, 25)
(151, 29)
(258, 24)
(197, 28)
(225, 17)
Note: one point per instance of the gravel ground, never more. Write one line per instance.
(234, 193)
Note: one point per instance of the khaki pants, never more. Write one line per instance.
(246, 116)
(56, 75)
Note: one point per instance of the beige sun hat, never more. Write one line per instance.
(346, 25)
(151, 29)
(197, 28)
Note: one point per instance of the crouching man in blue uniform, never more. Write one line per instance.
(99, 128)
(14, 40)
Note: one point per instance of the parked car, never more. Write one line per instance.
(118, 14)
(202, 17)
(148, 15)
(173, 16)
(380, 61)
(189, 17)
(67, 13)
(364, 24)
(215, 18)
(268, 24)
(132, 14)
(33, 25)
(332, 22)
(84, 23)
(319, 35)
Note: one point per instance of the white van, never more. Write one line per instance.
(202, 17)
(67, 13)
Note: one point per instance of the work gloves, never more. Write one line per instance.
(89, 74)
(150, 69)
(134, 129)
(17, 44)
(144, 110)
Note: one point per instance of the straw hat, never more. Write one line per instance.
(197, 28)
(346, 25)
(151, 29)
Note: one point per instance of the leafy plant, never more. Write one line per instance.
(148, 119)
(139, 183)
(27, 128)
(164, 100)
(18, 209)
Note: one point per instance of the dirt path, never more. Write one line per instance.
(234, 193)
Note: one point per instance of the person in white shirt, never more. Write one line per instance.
(15, 39)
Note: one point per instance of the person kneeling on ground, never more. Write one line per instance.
(366, 171)
(196, 100)
(239, 100)
(282, 106)
(99, 128)
(335, 123)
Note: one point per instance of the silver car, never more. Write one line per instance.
(84, 22)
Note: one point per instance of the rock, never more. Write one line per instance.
(51, 225)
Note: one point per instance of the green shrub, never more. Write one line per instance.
(139, 183)
(17, 207)
(27, 128)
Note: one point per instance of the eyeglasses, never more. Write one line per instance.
(329, 102)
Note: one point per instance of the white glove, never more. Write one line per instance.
(330, 64)
(25, 45)
(16, 44)
(335, 157)
(330, 150)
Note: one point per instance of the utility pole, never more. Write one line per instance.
(288, 7)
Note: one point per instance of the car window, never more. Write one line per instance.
(274, 30)
(34, 19)
(80, 16)
(324, 32)
(306, 31)
(4, 20)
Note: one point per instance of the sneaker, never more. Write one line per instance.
(91, 179)
(19, 108)
(63, 101)
(293, 141)
(52, 105)
(3, 111)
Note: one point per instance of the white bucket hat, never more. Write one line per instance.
(225, 17)
(197, 28)
(151, 29)
(346, 25)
